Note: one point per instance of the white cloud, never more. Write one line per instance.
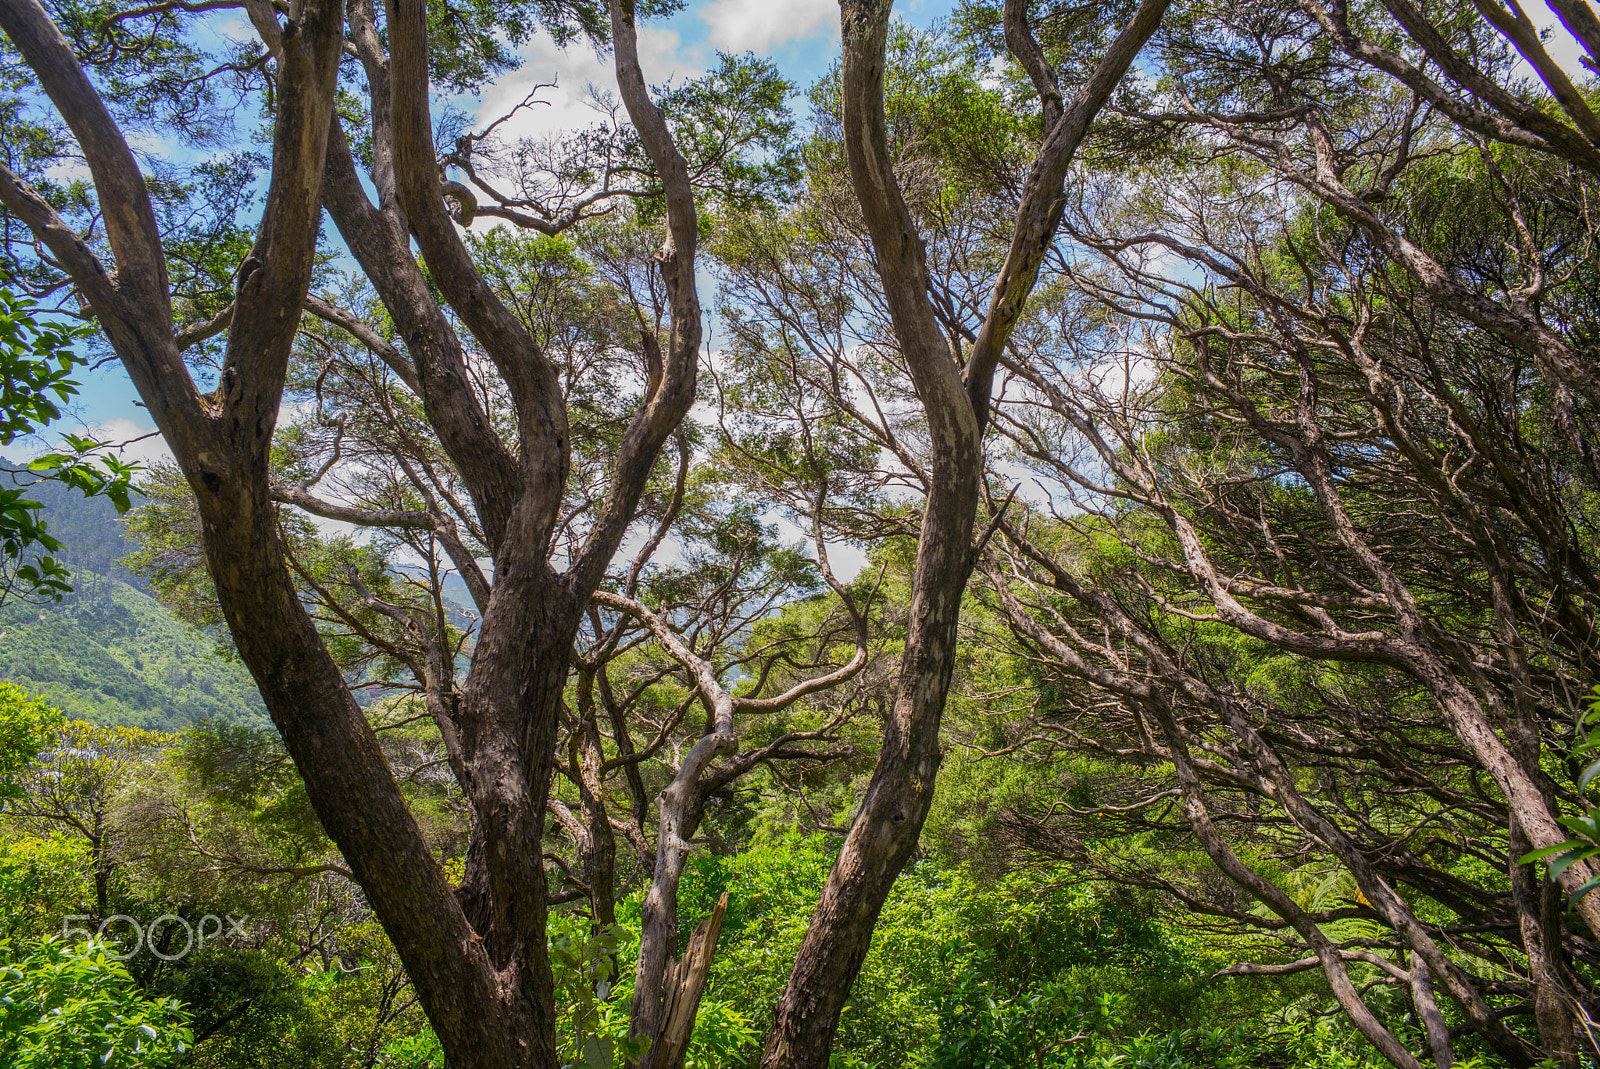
(757, 25)
(565, 106)
(123, 438)
(129, 441)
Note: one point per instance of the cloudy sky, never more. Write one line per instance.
(801, 36)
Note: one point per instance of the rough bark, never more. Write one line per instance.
(889, 819)
(476, 954)
(222, 444)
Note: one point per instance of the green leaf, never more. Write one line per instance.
(1573, 898)
(1565, 861)
(1543, 852)
(1588, 776)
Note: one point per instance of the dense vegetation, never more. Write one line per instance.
(1203, 395)
(107, 651)
(971, 966)
(110, 653)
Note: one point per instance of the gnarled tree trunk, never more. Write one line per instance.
(955, 400)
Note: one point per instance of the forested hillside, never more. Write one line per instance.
(1049, 535)
(108, 652)
(91, 532)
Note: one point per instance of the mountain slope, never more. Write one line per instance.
(92, 538)
(113, 654)
(109, 652)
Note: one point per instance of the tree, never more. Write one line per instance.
(27, 727)
(36, 360)
(503, 473)
(1317, 489)
(72, 787)
(952, 374)
(60, 1004)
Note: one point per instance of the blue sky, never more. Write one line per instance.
(800, 36)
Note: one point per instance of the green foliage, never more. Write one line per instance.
(37, 360)
(27, 726)
(963, 134)
(169, 557)
(42, 880)
(70, 793)
(1038, 967)
(64, 1005)
(254, 1007)
(593, 1028)
(87, 764)
(244, 764)
(224, 825)
(594, 989)
(1058, 1024)
(36, 365)
(420, 1051)
(113, 483)
(88, 527)
(120, 820)
(75, 1007)
(734, 128)
(112, 654)
(471, 42)
(1585, 826)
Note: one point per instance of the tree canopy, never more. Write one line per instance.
(1151, 445)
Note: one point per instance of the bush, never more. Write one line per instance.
(75, 1007)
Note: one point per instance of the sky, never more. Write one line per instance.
(800, 36)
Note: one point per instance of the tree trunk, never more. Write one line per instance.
(891, 815)
(956, 403)
(600, 853)
(685, 984)
(354, 791)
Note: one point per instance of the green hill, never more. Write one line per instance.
(109, 652)
(113, 654)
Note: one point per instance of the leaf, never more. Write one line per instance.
(1572, 899)
(1543, 852)
(1567, 860)
(1588, 776)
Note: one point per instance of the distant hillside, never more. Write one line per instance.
(113, 654)
(109, 652)
(91, 535)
